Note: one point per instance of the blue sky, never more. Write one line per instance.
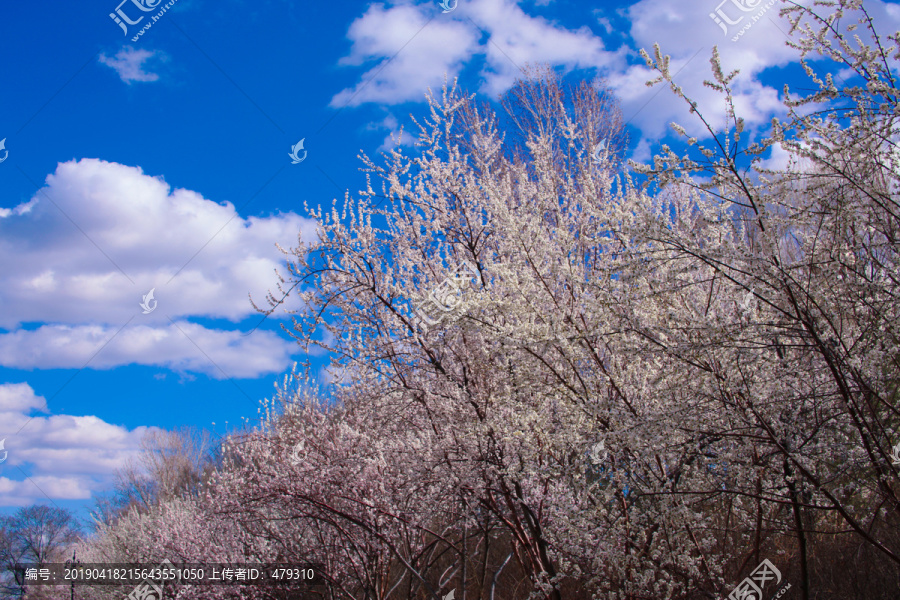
(162, 163)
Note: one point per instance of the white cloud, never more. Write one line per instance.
(129, 64)
(687, 34)
(37, 490)
(642, 152)
(99, 236)
(68, 456)
(394, 136)
(779, 159)
(686, 30)
(18, 210)
(412, 58)
(19, 397)
(181, 346)
(517, 39)
(411, 55)
(96, 225)
(508, 38)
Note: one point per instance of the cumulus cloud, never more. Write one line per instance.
(411, 54)
(180, 346)
(750, 35)
(688, 32)
(507, 39)
(19, 397)
(414, 51)
(99, 236)
(130, 63)
(18, 210)
(395, 137)
(516, 40)
(37, 490)
(68, 456)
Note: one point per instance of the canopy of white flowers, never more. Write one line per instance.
(649, 378)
